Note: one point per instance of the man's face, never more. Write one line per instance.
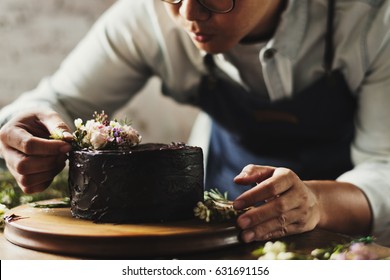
(216, 33)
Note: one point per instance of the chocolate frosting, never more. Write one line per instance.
(149, 183)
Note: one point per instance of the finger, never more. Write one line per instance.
(37, 182)
(274, 209)
(20, 164)
(53, 122)
(281, 181)
(253, 173)
(294, 228)
(30, 181)
(36, 188)
(28, 144)
(29, 133)
(37, 164)
(287, 224)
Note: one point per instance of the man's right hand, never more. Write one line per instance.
(31, 156)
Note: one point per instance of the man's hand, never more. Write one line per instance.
(288, 205)
(31, 156)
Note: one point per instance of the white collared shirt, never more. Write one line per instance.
(136, 39)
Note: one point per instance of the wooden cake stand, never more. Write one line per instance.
(54, 230)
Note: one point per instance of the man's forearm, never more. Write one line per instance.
(344, 207)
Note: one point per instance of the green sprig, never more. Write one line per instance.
(216, 207)
(62, 203)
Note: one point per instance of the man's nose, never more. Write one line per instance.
(192, 10)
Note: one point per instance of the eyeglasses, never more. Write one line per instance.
(215, 6)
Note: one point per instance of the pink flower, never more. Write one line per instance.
(98, 140)
(360, 251)
(357, 251)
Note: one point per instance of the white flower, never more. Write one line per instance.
(276, 251)
(268, 256)
(275, 247)
(115, 124)
(285, 256)
(338, 256)
(316, 252)
(78, 123)
(202, 212)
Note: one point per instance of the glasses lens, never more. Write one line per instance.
(218, 6)
(172, 1)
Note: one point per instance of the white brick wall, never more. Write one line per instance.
(35, 35)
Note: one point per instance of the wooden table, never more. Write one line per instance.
(304, 242)
(55, 234)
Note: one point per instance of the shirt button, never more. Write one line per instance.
(269, 54)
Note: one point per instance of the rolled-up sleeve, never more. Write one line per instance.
(371, 147)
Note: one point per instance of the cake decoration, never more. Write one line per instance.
(101, 133)
(216, 207)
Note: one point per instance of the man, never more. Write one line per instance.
(297, 92)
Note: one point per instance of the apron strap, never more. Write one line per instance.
(329, 50)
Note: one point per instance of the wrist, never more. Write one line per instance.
(318, 207)
(342, 206)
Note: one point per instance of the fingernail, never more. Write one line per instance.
(243, 174)
(239, 204)
(248, 236)
(67, 135)
(244, 222)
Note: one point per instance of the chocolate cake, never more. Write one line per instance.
(147, 183)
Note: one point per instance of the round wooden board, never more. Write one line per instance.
(55, 230)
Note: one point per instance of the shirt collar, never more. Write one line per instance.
(295, 17)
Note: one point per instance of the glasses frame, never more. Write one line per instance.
(174, 2)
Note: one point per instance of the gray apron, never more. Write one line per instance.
(310, 133)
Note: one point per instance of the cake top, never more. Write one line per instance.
(148, 147)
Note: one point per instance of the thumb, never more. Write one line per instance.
(57, 128)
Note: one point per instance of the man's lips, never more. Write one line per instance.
(201, 37)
